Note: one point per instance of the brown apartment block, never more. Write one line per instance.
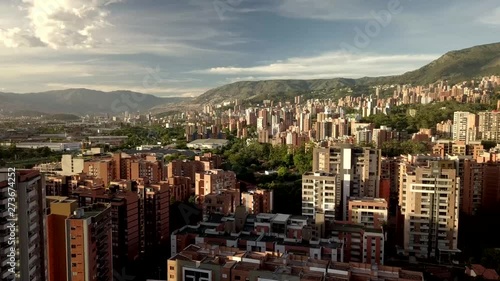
(121, 166)
(125, 216)
(443, 148)
(180, 188)
(58, 185)
(258, 201)
(60, 208)
(212, 180)
(154, 204)
(208, 262)
(362, 244)
(101, 168)
(214, 160)
(186, 168)
(88, 240)
(222, 202)
(491, 188)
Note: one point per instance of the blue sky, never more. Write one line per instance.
(185, 47)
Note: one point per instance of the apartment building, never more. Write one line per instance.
(222, 202)
(212, 180)
(71, 165)
(321, 194)
(124, 204)
(154, 210)
(370, 212)
(361, 244)
(60, 208)
(207, 262)
(180, 188)
(101, 168)
(262, 232)
(429, 201)
(187, 168)
(489, 125)
(258, 201)
(464, 126)
(357, 168)
(29, 226)
(89, 243)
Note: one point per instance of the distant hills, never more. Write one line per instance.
(454, 66)
(81, 102)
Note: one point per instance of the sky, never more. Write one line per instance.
(185, 47)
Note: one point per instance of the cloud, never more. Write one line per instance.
(335, 64)
(15, 37)
(325, 10)
(59, 23)
(491, 18)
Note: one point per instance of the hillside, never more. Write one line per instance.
(454, 66)
(81, 102)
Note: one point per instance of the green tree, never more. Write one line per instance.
(282, 171)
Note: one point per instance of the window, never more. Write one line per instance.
(172, 268)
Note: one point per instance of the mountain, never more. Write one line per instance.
(81, 102)
(454, 66)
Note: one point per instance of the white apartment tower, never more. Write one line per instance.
(320, 195)
(464, 126)
(357, 169)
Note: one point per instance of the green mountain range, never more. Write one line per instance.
(454, 66)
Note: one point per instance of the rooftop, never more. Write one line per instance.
(210, 141)
(280, 218)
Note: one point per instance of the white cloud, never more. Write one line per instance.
(328, 10)
(328, 65)
(59, 23)
(15, 37)
(491, 18)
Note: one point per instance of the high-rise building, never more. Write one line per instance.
(125, 216)
(357, 168)
(71, 165)
(212, 180)
(27, 224)
(89, 243)
(60, 208)
(320, 194)
(222, 202)
(370, 212)
(154, 216)
(464, 126)
(429, 201)
(258, 201)
(489, 125)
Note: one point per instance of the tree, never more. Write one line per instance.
(282, 171)
(491, 259)
(193, 199)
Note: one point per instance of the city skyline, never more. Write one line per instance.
(196, 45)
